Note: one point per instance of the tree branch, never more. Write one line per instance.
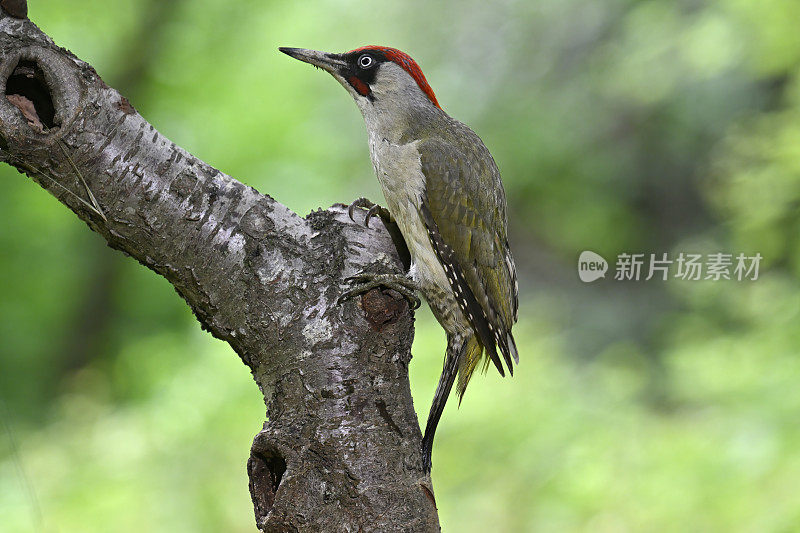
(341, 448)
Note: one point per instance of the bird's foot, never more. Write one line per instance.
(372, 210)
(367, 281)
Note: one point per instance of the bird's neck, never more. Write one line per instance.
(399, 124)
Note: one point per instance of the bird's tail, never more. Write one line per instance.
(456, 348)
(472, 356)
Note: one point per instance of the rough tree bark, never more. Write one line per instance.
(341, 447)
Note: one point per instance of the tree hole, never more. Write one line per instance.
(265, 469)
(27, 89)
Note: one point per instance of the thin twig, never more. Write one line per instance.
(97, 209)
(32, 169)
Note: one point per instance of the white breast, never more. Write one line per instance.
(399, 172)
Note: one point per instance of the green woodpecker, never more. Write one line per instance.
(443, 190)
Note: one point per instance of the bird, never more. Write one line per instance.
(443, 190)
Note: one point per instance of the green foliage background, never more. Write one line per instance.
(619, 126)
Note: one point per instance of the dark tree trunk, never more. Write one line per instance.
(341, 447)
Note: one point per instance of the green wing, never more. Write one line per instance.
(464, 209)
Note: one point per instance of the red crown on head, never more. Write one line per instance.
(409, 65)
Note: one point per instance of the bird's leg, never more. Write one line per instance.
(367, 281)
(372, 210)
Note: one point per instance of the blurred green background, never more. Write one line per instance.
(619, 126)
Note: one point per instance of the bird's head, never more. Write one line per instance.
(374, 75)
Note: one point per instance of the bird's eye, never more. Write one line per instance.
(365, 61)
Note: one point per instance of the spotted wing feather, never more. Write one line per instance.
(466, 213)
(464, 296)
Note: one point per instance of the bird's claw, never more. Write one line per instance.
(359, 202)
(371, 213)
(366, 282)
(372, 210)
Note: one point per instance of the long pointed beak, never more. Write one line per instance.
(323, 60)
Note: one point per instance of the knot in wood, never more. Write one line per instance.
(382, 307)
